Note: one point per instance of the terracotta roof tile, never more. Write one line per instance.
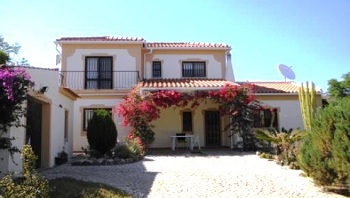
(186, 45)
(101, 38)
(275, 87)
(150, 44)
(183, 83)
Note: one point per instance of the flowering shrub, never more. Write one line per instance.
(239, 103)
(136, 142)
(14, 84)
(138, 111)
(13, 92)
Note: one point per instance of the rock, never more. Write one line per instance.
(86, 163)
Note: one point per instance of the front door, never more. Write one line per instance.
(212, 129)
(34, 130)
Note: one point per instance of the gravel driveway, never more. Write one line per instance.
(217, 174)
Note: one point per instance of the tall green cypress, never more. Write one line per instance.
(101, 132)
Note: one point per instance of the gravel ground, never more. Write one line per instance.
(217, 174)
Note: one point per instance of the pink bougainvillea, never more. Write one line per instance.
(13, 81)
(14, 85)
(138, 111)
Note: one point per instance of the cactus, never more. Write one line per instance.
(307, 98)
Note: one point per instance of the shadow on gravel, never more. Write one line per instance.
(131, 178)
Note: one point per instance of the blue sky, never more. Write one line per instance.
(312, 36)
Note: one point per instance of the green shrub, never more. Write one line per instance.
(131, 148)
(136, 146)
(30, 184)
(122, 151)
(286, 143)
(101, 132)
(325, 151)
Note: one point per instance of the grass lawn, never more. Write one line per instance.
(72, 188)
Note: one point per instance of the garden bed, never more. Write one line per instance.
(89, 161)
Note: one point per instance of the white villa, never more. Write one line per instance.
(98, 72)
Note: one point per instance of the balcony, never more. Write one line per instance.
(92, 80)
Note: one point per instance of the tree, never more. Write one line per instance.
(3, 58)
(339, 89)
(101, 132)
(324, 153)
(9, 49)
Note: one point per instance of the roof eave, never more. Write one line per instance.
(99, 42)
(189, 48)
(291, 93)
(280, 94)
(179, 88)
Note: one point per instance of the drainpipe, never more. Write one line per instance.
(144, 63)
(58, 56)
(144, 59)
(229, 74)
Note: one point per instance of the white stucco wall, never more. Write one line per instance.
(59, 103)
(289, 115)
(122, 61)
(170, 123)
(7, 164)
(79, 137)
(172, 65)
(53, 117)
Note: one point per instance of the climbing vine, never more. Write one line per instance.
(139, 110)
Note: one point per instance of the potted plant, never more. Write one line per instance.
(62, 157)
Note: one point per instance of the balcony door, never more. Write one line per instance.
(98, 73)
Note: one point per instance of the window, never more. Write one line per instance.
(156, 69)
(88, 113)
(98, 73)
(193, 69)
(267, 118)
(187, 121)
(66, 125)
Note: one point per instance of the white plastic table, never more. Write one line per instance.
(191, 139)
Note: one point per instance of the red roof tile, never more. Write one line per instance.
(275, 87)
(186, 45)
(183, 83)
(101, 38)
(150, 44)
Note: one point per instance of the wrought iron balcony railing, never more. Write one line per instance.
(82, 80)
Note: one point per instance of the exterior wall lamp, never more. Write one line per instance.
(44, 89)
